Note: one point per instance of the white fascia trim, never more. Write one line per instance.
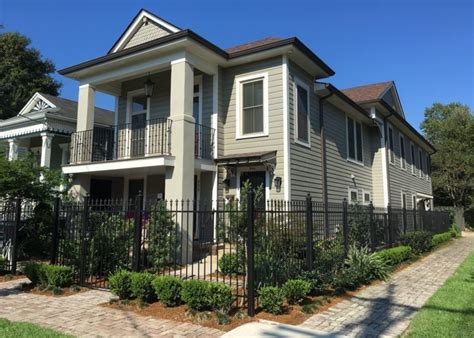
(19, 132)
(238, 104)
(215, 120)
(384, 168)
(119, 165)
(137, 23)
(205, 165)
(298, 82)
(286, 132)
(423, 195)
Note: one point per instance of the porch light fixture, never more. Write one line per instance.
(149, 87)
(277, 181)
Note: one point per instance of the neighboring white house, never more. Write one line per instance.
(194, 121)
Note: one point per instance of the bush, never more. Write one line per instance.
(395, 256)
(419, 241)
(455, 231)
(329, 256)
(196, 294)
(232, 263)
(120, 283)
(56, 275)
(32, 272)
(221, 298)
(271, 299)
(141, 286)
(441, 238)
(168, 290)
(360, 268)
(313, 278)
(295, 290)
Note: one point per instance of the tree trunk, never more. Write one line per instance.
(459, 217)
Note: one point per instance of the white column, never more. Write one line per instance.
(47, 143)
(85, 108)
(12, 149)
(180, 178)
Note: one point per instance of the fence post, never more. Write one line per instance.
(389, 224)
(15, 235)
(309, 233)
(55, 239)
(137, 238)
(83, 250)
(372, 227)
(250, 254)
(345, 227)
(414, 218)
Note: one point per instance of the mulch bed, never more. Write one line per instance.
(9, 277)
(65, 292)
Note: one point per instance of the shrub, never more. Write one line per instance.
(313, 278)
(168, 290)
(419, 241)
(395, 256)
(329, 258)
(56, 275)
(360, 268)
(141, 286)
(295, 290)
(120, 283)
(32, 272)
(221, 298)
(441, 238)
(232, 263)
(271, 299)
(196, 293)
(455, 231)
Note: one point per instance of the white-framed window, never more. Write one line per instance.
(413, 158)
(391, 145)
(252, 106)
(36, 151)
(354, 140)
(303, 123)
(420, 153)
(403, 162)
(428, 167)
(353, 195)
(414, 202)
(367, 197)
(134, 137)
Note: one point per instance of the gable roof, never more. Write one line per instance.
(139, 19)
(369, 92)
(252, 44)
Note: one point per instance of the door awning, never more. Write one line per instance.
(255, 158)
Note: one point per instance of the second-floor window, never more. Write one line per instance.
(391, 145)
(413, 159)
(428, 166)
(403, 162)
(354, 140)
(302, 113)
(421, 163)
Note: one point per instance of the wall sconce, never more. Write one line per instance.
(149, 87)
(277, 181)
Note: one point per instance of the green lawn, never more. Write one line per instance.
(450, 311)
(20, 329)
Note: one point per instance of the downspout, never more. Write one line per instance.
(387, 155)
(323, 161)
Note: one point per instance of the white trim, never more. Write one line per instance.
(136, 24)
(198, 82)
(413, 158)
(174, 62)
(286, 132)
(424, 195)
(363, 197)
(239, 80)
(420, 169)
(403, 160)
(349, 190)
(23, 131)
(215, 125)
(413, 206)
(145, 162)
(385, 183)
(298, 82)
(391, 152)
(32, 102)
(354, 160)
(130, 95)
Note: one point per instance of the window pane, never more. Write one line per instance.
(252, 120)
(350, 137)
(402, 152)
(139, 103)
(353, 196)
(248, 95)
(366, 198)
(359, 141)
(258, 93)
(390, 144)
(252, 111)
(302, 114)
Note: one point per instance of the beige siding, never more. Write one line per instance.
(402, 180)
(274, 141)
(377, 172)
(146, 32)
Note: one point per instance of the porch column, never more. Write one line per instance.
(47, 142)
(85, 108)
(12, 149)
(180, 178)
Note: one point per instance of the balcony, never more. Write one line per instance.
(134, 141)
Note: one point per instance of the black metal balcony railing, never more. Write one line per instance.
(204, 142)
(122, 141)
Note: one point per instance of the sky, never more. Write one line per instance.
(425, 46)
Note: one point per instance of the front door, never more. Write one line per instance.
(138, 135)
(135, 186)
(101, 189)
(256, 179)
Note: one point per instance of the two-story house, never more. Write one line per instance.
(194, 121)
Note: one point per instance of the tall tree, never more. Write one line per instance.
(451, 129)
(23, 72)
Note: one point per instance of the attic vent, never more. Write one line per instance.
(40, 105)
(145, 21)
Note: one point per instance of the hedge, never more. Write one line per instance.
(396, 255)
(441, 238)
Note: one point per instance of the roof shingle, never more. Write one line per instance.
(252, 44)
(368, 92)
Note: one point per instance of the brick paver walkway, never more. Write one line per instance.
(386, 309)
(79, 315)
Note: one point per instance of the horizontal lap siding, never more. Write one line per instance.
(274, 140)
(339, 169)
(404, 180)
(305, 163)
(377, 173)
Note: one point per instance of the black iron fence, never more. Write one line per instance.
(244, 244)
(203, 142)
